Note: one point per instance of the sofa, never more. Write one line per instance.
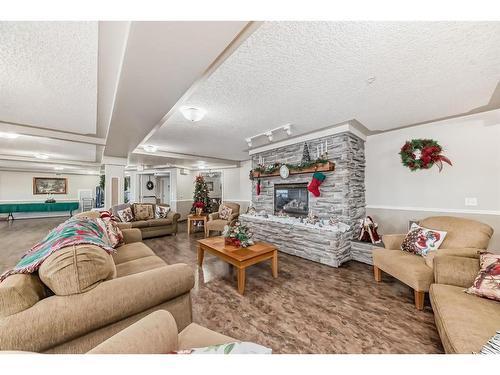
(157, 333)
(150, 227)
(81, 296)
(215, 223)
(465, 322)
(464, 238)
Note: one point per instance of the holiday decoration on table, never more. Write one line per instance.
(368, 231)
(315, 183)
(422, 154)
(200, 195)
(199, 206)
(306, 158)
(238, 235)
(311, 218)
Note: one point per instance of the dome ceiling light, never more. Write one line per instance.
(193, 114)
(150, 148)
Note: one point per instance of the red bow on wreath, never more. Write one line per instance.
(422, 154)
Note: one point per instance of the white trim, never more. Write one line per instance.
(343, 128)
(430, 209)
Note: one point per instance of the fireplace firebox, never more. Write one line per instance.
(292, 199)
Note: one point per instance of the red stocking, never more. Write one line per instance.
(257, 188)
(316, 181)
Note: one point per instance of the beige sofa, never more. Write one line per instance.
(464, 238)
(92, 296)
(465, 322)
(157, 333)
(215, 223)
(152, 227)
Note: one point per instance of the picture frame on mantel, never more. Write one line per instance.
(50, 185)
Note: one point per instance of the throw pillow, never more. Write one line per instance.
(107, 215)
(143, 211)
(487, 282)
(421, 241)
(126, 215)
(162, 212)
(225, 213)
(229, 348)
(114, 233)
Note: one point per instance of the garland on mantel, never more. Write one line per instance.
(268, 169)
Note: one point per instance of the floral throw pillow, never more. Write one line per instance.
(487, 282)
(229, 348)
(115, 234)
(143, 211)
(126, 215)
(107, 215)
(421, 241)
(225, 213)
(162, 212)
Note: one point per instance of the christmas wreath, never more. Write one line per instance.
(422, 154)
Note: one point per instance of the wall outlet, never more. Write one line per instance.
(471, 201)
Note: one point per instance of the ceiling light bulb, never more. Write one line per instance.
(41, 156)
(150, 148)
(269, 136)
(9, 135)
(193, 114)
(288, 129)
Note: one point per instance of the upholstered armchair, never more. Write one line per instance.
(464, 238)
(216, 223)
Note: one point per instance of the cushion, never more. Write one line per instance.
(126, 215)
(131, 251)
(465, 322)
(225, 212)
(107, 215)
(139, 224)
(139, 265)
(76, 269)
(114, 210)
(115, 234)
(217, 225)
(143, 211)
(235, 347)
(421, 241)
(19, 292)
(159, 222)
(162, 212)
(487, 282)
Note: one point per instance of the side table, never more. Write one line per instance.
(191, 219)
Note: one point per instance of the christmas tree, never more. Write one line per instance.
(200, 196)
(306, 158)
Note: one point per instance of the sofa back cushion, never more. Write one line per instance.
(19, 292)
(76, 269)
(144, 211)
(460, 232)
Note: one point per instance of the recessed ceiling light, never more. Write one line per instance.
(193, 114)
(201, 166)
(42, 156)
(370, 80)
(9, 135)
(58, 168)
(150, 148)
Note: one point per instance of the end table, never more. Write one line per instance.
(195, 218)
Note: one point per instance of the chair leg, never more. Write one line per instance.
(419, 299)
(377, 272)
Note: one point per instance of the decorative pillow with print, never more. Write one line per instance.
(225, 213)
(421, 241)
(143, 211)
(126, 215)
(115, 234)
(229, 348)
(107, 215)
(162, 212)
(487, 282)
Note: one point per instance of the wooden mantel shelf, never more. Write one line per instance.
(325, 167)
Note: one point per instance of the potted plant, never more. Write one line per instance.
(238, 235)
(199, 206)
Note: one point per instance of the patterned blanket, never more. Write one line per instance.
(75, 231)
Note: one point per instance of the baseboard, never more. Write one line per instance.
(431, 209)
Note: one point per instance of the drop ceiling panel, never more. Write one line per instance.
(48, 74)
(316, 74)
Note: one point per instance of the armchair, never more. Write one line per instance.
(464, 238)
(215, 223)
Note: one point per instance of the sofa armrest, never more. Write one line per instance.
(455, 270)
(123, 225)
(153, 334)
(213, 216)
(132, 235)
(393, 241)
(468, 252)
(78, 314)
(234, 217)
(174, 216)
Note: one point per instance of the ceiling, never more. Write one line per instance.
(385, 75)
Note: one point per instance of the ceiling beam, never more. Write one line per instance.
(48, 161)
(175, 155)
(47, 133)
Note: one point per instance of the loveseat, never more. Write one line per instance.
(149, 227)
(82, 296)
(465, 322)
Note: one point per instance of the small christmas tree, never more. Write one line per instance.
(200, 195)
(306, 158)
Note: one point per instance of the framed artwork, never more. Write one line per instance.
(50, 185)
(210, 185)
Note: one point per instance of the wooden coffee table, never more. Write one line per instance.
(239, 257)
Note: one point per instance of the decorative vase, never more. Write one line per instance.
(228, 241)
(199, 211)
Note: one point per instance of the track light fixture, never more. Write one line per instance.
(270, 134)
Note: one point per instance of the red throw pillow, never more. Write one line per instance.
(487, 282)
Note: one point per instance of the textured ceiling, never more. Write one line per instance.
(48, 74)
(316, 74)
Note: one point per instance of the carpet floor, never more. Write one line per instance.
(309, 308)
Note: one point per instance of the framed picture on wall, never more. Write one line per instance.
(50, 185)
(210, 185)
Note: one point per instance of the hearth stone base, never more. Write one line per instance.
(330, 247)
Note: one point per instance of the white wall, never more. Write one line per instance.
(472, 144)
